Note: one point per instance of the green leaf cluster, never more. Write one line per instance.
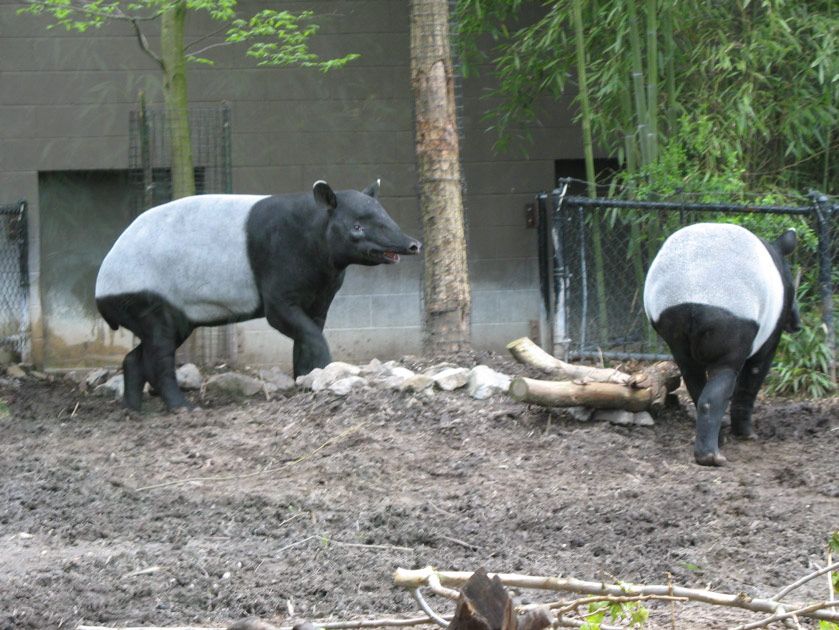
(802, 363)
(635, 613)
(274, 37)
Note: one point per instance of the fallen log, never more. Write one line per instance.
(644, 391)
(526, 352)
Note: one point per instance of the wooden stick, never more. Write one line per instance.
(527, 352)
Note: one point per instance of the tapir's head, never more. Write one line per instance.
(781, 248)
(360, 231)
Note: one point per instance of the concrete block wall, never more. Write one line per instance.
(65, 103)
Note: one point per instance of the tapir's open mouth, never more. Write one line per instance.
(391, 257)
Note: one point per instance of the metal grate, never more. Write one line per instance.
(151, 179)
(14, 280)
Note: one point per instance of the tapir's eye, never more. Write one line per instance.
(358, 229)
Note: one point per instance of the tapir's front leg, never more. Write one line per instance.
(310, 348)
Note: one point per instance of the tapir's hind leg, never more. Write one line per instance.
(134, 378)
(709, 412)
(742, 402)
(159, 365)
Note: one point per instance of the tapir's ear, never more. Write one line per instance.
(324, 195)
(373, 189)
(786, 242)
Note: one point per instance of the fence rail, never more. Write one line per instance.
(594, 255)
(14, 280)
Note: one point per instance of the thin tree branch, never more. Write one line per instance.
(783, 615)
(787, 589)
(206, 37)
(415, 592)
(144, 44)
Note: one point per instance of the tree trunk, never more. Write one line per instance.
(446, 291)
(175, 96)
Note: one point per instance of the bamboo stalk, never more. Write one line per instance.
(652, 78)
(638, 81)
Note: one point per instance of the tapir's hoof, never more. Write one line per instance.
(751, 435)
(711, 459)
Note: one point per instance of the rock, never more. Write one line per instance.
(391, 377)
(372, 369)
(580, 414)
(96, 377)
(436, 369)
(344, 386)
(233, 383)
(335, 371)
(417, 383)
(277, 379)
(15, 371)
(113, 386)
(76, 376)
(189, 376)
(451, 378)
(643, 419)
(619, 417)
(305, 381)
(483, 382)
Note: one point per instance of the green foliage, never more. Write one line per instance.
(760, 77)
(802, 363)
(274, 37)
(635, 613)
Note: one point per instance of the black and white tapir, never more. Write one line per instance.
(217, 259)
(721, 297)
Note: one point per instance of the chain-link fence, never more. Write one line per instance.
(595, 253)
(150, 167)
(14, 280)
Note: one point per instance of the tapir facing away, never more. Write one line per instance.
(217, 259)
(721, 297)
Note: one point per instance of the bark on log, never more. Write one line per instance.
(646, 390)
(527, 352)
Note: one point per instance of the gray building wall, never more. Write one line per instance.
(64, 107)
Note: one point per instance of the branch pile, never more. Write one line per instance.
(482, 597)
(597, 388)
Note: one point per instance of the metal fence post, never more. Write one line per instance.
(823, 212)
(561, 338)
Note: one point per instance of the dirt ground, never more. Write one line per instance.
(302, 507)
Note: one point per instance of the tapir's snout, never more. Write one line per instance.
(414, 248)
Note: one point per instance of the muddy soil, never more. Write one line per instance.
(302, 507)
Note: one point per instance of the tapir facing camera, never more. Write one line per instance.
(720, 297)
(216, 259)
